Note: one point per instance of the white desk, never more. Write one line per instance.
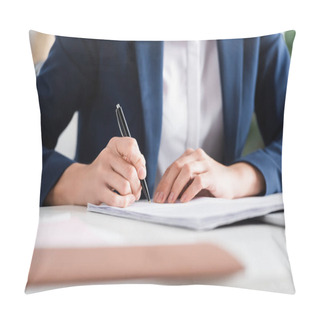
(259, 246)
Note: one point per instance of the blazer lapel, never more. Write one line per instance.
(231, 74)
(149, 57)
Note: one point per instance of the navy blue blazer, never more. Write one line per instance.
(92, 76)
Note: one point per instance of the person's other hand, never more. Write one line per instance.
(195, 173)
(112, 178)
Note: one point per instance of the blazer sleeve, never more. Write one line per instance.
(65, 83)
(273, 68)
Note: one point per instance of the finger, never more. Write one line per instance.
(117, 182)
(192, 155)
(128, 148)
(165, 184)
(115, 200)
(199, 183)
(170, 175)
(187, 156)
(128, 172)
(188, 172)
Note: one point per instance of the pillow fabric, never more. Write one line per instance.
(80, 82)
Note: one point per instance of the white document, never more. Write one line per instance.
(200, 213)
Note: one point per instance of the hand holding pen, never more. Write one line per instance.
(120, 167)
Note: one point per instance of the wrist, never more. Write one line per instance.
(248, 180)
(66, 190)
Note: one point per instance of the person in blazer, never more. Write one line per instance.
(92, 76)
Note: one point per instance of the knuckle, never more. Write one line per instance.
(132, 142)
(187, 169)
(131, 173)
(131, 149)
(166, 185)
(113, 141)
(198, 182)
(200, 153)
(189, 150)
(177, 165)
(124, 187)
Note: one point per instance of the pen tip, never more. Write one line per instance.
(118, 106)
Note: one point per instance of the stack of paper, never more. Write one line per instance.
(199, 213)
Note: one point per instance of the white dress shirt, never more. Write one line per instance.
(192, 103)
